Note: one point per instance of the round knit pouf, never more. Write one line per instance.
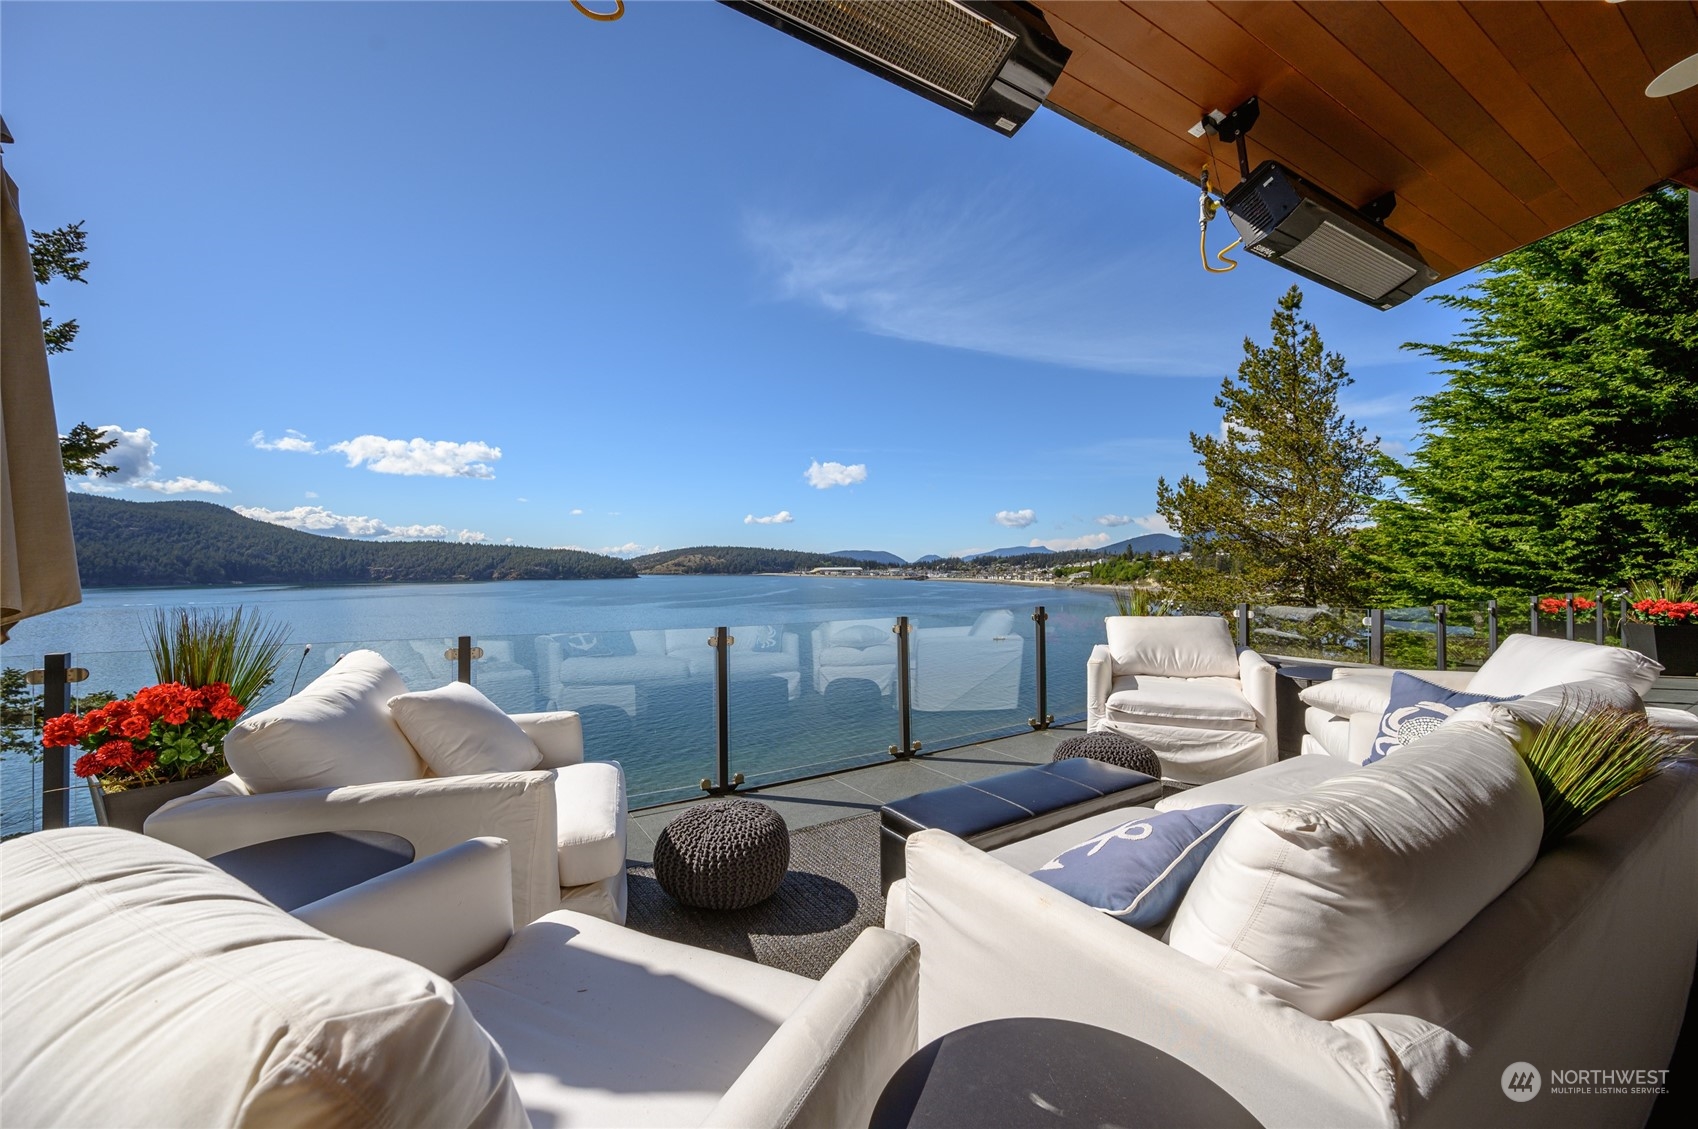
(1111, 748)
(723, 854)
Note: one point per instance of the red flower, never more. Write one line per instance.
(87, 765)
(93, 722)
(135, 727)
(61, 731)
(211, 694)
(226, 708)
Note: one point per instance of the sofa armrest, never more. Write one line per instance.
(1099, 678)
(1257, 676)
(829, 1061)
(434, 813)
(1000, 944)
(449, 912)
(558, 733)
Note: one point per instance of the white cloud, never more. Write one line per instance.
(782, 517)
(572, 548)
(292, 441)
(312, 493)
(1015, 519)
(1112, 520)
(1153, 523)
(983, 275)
(1062, 544)
(576, 511)
(439, 458)
(317, 519)
(628, 549)
(823, 476)
(133, 456)
(524, 499)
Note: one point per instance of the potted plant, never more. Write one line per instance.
(1555, 608)
(160, 743)
(1662, 623)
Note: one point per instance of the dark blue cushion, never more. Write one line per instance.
(1139, 871)
(1417, 708)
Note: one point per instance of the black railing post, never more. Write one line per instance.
(724, 782)
(1440, 615)
(1533, 616)
(1377, 636)
(1243, 616)
(1044, 719)
(1491, 627)
(1621, 613)
(1568, 601)
(56, 764)
(1598, 614)
(905, 745)
(463, 659)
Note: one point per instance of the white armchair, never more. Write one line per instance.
(1179, 685)
(565, 818)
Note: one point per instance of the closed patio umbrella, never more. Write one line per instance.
(38, 561)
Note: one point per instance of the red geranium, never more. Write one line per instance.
(164, 732)
(1556, 605)
(1666, 612)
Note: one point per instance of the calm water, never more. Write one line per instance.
(809, 704)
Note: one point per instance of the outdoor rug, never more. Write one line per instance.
(830, 893)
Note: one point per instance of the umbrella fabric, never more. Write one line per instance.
(38, 561)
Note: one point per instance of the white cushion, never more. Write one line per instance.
(1524, 663)
(1184, 646)
(459, 732)
(1345, 696)
(1152, 698)
(589, 803)
(146, 987)
(1328, 898)
(1276, 781)
(335, 732)
(1537, 709)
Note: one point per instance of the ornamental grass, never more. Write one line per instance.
(200, 646)
(1583, 758)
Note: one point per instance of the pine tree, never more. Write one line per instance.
(59, 254)
(1563, 451)
(1283, 485)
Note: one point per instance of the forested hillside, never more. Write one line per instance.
(733, 560)
(166, 543)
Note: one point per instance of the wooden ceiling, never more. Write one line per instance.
(1495, 123)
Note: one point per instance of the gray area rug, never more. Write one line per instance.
(830, 893)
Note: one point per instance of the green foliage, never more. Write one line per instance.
(1581, 760)
(20, 716)
(200, 646)
(1562, 454)
(734, 560)
(1138, 601)
(81, 451)
(58, 254)
(163, 543)
(1120, 570)
(1282, 486)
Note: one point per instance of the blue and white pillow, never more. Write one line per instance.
(1139, 871)
(766, 640)
(1416, 709)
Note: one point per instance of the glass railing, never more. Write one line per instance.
(973, 678)
(1327, 633)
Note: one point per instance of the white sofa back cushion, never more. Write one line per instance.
(146, 987)
(1525, 663)
(335, 732)
(1328, 898)
(459, 732)
(1179, 646)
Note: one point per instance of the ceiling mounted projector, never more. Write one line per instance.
(992, 62)
(1289, 221)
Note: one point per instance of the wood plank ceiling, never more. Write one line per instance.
(1495, 123)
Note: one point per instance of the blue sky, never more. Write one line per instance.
(495, 270)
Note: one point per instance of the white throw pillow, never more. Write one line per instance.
(459, 732)
(1525, 663)
(1536, 709)
(1179, 646)
(145, 986)
(1345, 696)
(1328, 898)
(335, 732)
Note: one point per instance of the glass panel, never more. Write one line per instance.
(1411, 639)
(1075, 628)
(974, 676)
(811, 697)
(1281, 631)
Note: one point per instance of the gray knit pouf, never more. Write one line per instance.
(723, 854)
(1111, 748)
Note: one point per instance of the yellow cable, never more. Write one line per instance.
(605, 17)
(1207, 207)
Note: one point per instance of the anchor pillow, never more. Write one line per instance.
(1138, 872)
(1416, 709)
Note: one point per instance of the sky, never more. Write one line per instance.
(494, 271)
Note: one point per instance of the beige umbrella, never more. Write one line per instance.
(38, 561)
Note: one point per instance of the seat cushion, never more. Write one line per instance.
(1179, 646)
(1330, 731)
(1026, 855)
(1277, 781)
(1327, 898)
(144, 986)
(1216, 703)
(876, 655)
(335, 732)
(589, 801)
(607, 1026)
(1524, 663)
(459, 732)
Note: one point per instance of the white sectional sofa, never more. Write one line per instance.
(1582, 961)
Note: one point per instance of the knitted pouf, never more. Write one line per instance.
(1111, 748)
(723, 854)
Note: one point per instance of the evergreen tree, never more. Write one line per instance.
(1563, 451)
(58, 254)
(1283, 485)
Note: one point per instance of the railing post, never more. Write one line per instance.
(1440, 615)
(1533, 615)
(722, 641)
(1598, 619)
(1568, 601)
(1621, 613)
(463, 659)
(905, 746)
(56, 764)
(1044, 719)
(1491, 628)
(1377, 636)
(1243, 616)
